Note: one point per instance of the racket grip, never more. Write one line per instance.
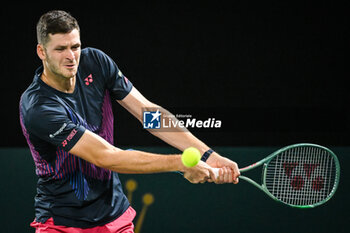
(216, 172)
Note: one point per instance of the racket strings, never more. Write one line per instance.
(301, 175)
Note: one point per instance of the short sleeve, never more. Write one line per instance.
(117, 84)
(50, 123)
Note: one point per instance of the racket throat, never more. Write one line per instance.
(261, 187)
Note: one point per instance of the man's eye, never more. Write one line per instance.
(59, 49)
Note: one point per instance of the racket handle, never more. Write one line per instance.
(216, 172)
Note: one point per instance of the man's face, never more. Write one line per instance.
(62, 54)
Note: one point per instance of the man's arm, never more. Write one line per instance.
(181, 138)
(96, 150)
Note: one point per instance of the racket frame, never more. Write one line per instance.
(265, 162)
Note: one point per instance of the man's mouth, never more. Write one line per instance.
(69, 66)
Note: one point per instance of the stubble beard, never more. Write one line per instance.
(55, 70)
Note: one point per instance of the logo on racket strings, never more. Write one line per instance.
(298, 181)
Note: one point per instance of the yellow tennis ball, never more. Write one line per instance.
(190, 157)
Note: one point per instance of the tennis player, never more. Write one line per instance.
(66, 117)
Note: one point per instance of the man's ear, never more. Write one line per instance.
(41, 51)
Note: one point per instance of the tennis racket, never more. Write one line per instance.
(300, 175)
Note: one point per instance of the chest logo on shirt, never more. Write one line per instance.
(88, 80)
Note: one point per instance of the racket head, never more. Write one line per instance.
(301, 175)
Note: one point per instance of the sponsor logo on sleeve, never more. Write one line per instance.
(58, 131)
(69, 138)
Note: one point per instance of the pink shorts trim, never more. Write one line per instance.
(123, 224)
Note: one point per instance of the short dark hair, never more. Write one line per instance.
(53, 22)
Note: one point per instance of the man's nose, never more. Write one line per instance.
(70, 54)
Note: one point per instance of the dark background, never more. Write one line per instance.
(275, 73)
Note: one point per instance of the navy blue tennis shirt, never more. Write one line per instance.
(71, 190)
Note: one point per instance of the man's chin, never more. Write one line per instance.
(69, 72)
(69, 75)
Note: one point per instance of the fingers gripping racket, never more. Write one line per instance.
(301, 175)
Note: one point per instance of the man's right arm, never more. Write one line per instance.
(96, 150)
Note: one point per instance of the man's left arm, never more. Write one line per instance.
(181, 138)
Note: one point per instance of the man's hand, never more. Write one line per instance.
(228, 172)
(200, 173)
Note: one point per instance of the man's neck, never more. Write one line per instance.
(65, 85)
